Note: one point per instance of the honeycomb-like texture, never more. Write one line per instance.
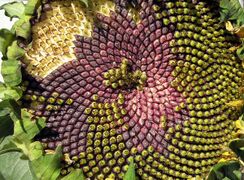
(151, 84)
(53, 36)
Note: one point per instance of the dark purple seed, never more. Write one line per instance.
(63, 123)
(66, 149)
(82, 135)
(81, 141)
(84, 128)
(69, 128)
(73, 121)
(145, 143)
(75, 87)
(73, 139)
(51, 145)
(61, 130)
(129, 144)
(74, 152)
(75, 132)
(69, 91)
(135, 141)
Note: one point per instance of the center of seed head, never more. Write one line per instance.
(124, 77)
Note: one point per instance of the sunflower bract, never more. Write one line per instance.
(146, 80)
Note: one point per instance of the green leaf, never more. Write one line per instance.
(226, 178)
(232, 10)
(6, 39)
(227, 170)
(5, 108)
(237, 145)
(12, 167)
(25, 129)
(1, 177)
(6, 126)
(35, 150)
(8, 107)
(8, 146)
(237, 173)
(4, 141)
(14, 51)
(131, 173)
(7, 92)
(22, 27)
(31, 6)
(11, 72)
(13, 9)
(240, 52)
(75, 174)
(48, 166)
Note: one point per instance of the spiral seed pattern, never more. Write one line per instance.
(150, 83)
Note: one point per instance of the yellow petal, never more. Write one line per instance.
(236, 30)
(236, 103)
(234, 48)
(240, 31)
(49, 151)
(229, 26)
(67, 159)
(239, 124)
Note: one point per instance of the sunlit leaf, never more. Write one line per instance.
(11, 72)
(225, 170)
(240, 52)
(48, 166)
(35, 150)
(32, 6)
(6, 39)
(10, 92)
(75, 174)
(13, 167)
(232, 10)
(14, 51)
(22, 27)
(130, 174)
(13, 9)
